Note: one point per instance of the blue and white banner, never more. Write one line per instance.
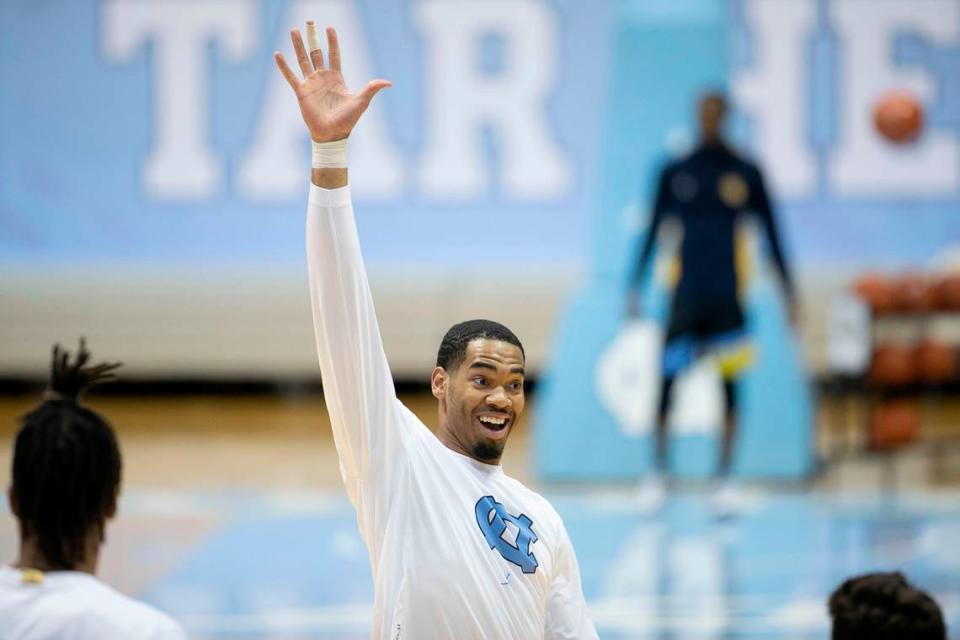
(145, 131)
(160, 131)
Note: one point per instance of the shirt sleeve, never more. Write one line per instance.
(357, 384)
(567, 614)
(660, 206)
(760, 203)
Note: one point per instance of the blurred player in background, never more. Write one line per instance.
(708, 192)
(66, 480)
(458, 549)
(884, 606)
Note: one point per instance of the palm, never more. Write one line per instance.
(329, 110)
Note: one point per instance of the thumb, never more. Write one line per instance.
(371, 90)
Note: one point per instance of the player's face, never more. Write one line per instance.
(484, 398)
(713, 111)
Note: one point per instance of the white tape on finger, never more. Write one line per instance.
(313, 41)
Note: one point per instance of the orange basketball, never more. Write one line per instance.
(893, 365)
(894, 423)
(948, 292)
(935, 361)
(876, 290)
(898, 116)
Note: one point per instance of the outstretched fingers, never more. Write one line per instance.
(301, 52)
(290, 76)
(313, 44)
(374, 86)
(333, 45)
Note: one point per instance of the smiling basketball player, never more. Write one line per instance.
(458, 548)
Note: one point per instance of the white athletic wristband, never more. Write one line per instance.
(330, 155)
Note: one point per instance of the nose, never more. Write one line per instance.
(498, 399)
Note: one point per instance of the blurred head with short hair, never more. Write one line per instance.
(884, 606)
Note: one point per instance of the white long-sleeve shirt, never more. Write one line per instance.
(458, 549)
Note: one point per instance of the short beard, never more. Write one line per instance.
(487, 450)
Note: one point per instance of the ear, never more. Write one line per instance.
(438, 382)
(12, 499)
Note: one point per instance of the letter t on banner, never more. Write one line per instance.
(181, 165)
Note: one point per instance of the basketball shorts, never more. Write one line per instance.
(703, 327)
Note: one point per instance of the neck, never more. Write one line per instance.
(711, 140)
(448, 438)
(31, 557)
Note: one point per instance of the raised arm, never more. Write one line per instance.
(357, 384)
(329, 110)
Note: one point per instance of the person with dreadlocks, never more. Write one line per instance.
(66, 480)
(458, 549)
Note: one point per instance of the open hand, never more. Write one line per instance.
(328, 108)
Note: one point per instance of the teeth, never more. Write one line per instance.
(493, 420)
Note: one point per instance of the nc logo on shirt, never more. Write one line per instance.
(492, 518)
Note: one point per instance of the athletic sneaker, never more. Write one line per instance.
(727, 500)
(651, 493)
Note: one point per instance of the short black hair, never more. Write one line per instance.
(66, 464)
(453, 347)
(884, 606)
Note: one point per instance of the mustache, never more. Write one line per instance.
(508, 412)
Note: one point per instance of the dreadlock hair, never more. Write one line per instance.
(884, 606)
(453, 347)
(66, 464)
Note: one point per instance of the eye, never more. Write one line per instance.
(480, 381)
(517, 385)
